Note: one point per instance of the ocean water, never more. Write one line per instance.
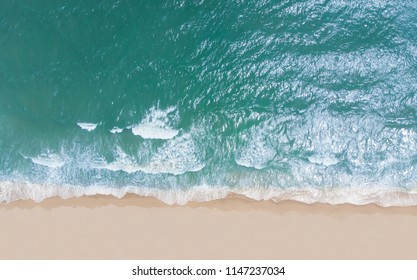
(314, 101)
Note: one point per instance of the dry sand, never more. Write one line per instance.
(100, 227)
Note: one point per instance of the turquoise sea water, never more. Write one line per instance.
(194, 100)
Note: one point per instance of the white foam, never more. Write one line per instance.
(325, 160)
(257, 151)
(170, 168)
(122, 163)
(11, 191)
(152, 132)
(177, 156)
(87, 126)
(256, 156)
(159, 168)
(157, 124)
(50, 160)
(118, 166)
(115, 130)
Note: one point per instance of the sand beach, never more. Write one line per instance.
(104, 227)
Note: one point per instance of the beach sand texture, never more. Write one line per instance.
(104, 227)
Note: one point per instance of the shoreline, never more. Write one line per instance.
(385, 197)
(135, 227)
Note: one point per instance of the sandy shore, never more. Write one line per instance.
(101, 227)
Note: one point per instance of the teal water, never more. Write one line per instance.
(194, 100)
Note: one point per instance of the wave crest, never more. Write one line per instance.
(157, 124)
(87, 126)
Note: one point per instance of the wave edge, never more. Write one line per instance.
(13, 191)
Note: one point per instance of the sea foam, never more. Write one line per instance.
(12, 191)
(87, 126)
(115, 130)
(177, 156)
(157, 124)
(50, 160)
